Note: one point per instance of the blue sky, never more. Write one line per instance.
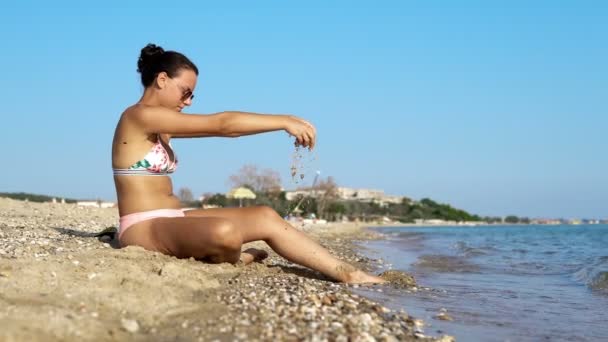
(496, 107)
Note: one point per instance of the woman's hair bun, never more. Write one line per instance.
(153, 60)
(149, 54)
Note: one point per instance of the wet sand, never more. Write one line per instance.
(58, 282)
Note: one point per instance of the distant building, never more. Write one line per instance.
(292, 195)
(546, 221)
(591, 221)
(364, 195)
(349, 194)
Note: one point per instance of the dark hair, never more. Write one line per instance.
(154, 60)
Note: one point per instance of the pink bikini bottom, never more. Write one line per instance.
(129, 220)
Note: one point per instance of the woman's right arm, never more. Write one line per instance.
(224, 124)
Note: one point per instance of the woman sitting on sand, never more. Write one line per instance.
(142, 159)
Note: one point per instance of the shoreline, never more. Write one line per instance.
(451, 225)
(515, 269)
(53, 270)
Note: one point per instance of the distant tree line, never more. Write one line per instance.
(22, 196)
(335, 209)
(326, 203)
(514, 219)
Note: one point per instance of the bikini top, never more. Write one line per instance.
(155, 163)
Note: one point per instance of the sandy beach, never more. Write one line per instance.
(58, 282)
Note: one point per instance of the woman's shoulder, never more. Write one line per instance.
(128, 124)
(141, 112)
(134, 110)
(132, 116)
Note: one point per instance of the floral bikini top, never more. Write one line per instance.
(155, 163)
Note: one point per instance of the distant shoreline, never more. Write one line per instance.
(448, 225)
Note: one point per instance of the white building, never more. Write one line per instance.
(291, 195)
(349, 194)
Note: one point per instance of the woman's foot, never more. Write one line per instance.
(360, 277)
(252, 254)
(351, 275)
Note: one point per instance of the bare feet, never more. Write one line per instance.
(360, 277)
(349, 274)
(252, 254)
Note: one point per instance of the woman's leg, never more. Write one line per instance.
(206, 238)
(263, 223)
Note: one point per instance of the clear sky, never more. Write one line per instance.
(495, 107)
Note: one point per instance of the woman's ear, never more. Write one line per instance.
(161, 79)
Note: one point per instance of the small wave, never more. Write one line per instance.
(595, 274)
(531, 268)
(408, 234)
(468, 251)
(600, 282)
(445, 263)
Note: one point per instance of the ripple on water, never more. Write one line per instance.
(595, 274)
(600, 282)
(469, 251)
(445, 263)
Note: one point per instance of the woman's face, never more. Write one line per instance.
(177, 92)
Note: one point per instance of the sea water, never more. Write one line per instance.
(501, 283)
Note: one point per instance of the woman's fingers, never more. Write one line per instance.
(305, 140)
(311, 140)
(312, 137)
(306, 136)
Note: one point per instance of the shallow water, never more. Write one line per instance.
(502, 283)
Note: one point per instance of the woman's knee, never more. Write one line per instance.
(270, 223)
(226, 237)
(266, 212)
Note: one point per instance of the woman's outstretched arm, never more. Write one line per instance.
(224, 124)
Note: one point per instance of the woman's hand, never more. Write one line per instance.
(304, 132)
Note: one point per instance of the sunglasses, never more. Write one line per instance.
(186, 93)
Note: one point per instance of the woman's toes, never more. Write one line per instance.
(258, 254)
(253, 254)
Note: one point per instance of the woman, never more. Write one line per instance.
(150, 215)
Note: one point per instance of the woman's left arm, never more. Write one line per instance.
(237, 124)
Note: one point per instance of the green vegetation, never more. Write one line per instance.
(334, 209)
(331, 209)
(22, 196)
(327, 204)
(514, 219)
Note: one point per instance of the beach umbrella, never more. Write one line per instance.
(240, 193)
